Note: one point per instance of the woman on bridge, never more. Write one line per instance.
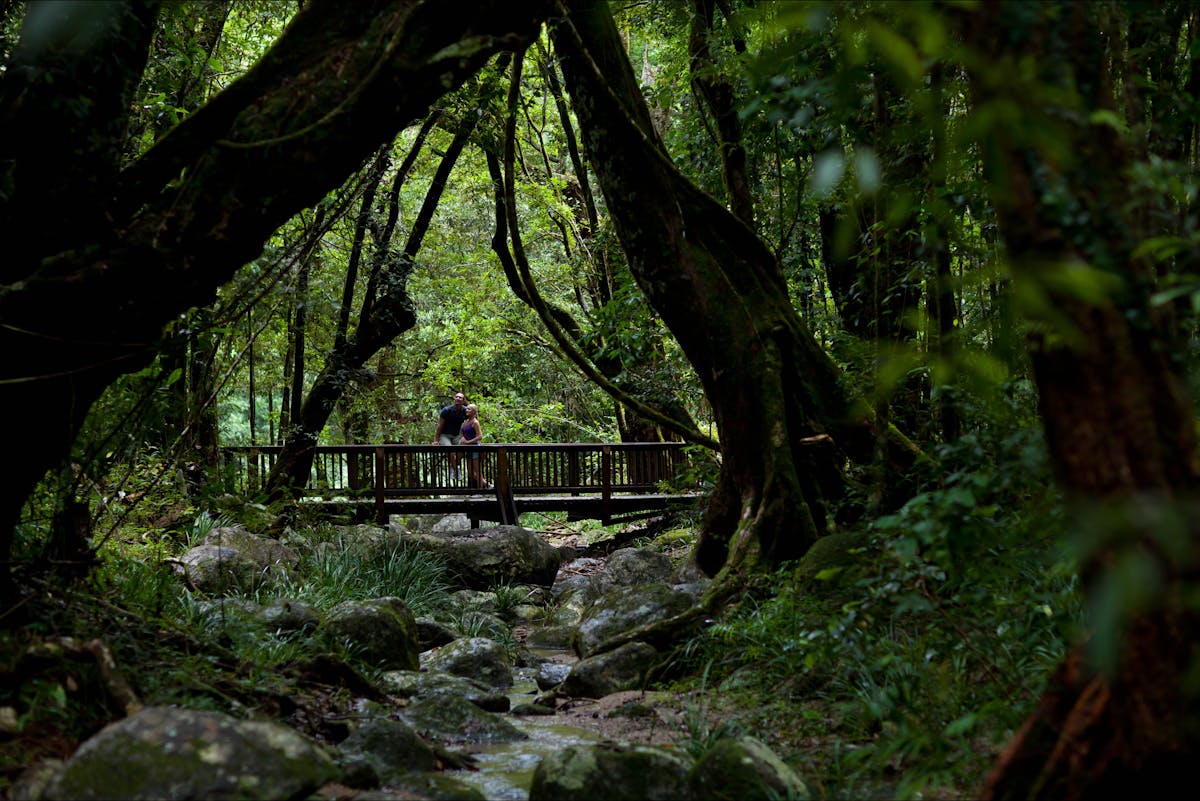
(472, 434)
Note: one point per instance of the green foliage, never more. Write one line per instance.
(703, 732)
(967, 595)
(340, 569)
(967, 599)
(509, 596)
(480, 624)
(206, 522)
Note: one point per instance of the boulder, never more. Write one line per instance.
(551, 636)
(612, 772)
(431, 633)
(738, 768)
(481, 560)
(382, 631)
(169, 753)
(391, 747)
(623, 668)
(474, 658)
(452, 720)
(834, 561)
(268, 553)
(289, 615)
(625, 609)
(232, 559)
(412, 684)
(550, 675)
(215, 570)
(632, 567)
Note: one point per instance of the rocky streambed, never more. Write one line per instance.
(450, 715)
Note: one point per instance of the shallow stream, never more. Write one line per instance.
(505, 770)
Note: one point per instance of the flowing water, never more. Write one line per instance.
(505, 770)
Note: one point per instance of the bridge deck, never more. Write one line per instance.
(601, 481)
(486, 507)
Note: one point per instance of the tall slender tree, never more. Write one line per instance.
(775, 393)
(386, 314)
(1119, 717)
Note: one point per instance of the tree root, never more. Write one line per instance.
(115, 683)
(665, 634)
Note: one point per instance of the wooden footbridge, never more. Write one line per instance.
(609, 482)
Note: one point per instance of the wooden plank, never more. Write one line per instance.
(380, 466)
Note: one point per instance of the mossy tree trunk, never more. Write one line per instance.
(1119, 718)
(775, 394)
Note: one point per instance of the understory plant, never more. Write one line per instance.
(176, 645)
(927, 651)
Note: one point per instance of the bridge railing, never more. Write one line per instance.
(399, 471)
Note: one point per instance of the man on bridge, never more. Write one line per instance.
(449, 429)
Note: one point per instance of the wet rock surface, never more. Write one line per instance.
(446, 715)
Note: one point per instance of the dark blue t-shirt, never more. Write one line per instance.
(454, 417)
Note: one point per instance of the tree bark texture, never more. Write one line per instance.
(1122, 721)
(719, 289)
(84, 300)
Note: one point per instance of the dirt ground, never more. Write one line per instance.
(633, 716)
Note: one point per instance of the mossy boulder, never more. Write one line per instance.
(623, 668)
(382, 631)
(625, 609)
(480, 560)
(452, 720)
(743, 769)
(834, 560)
(391, 747)
(613, 772)
(169, 753)
(476, 658)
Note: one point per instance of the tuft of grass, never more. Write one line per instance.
(509, 596)
(341, 570)
(206, 522)
(703, 731)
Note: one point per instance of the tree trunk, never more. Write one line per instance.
(201, 445)
(1119, 717)
(84, 300)
(940, 292)
(384, 318)
(774, 392)
(717, 91)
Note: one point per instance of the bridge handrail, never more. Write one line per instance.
(398, 470)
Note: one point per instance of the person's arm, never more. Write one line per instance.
(437, 435)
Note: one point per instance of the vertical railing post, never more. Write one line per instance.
(573, 471)
(380, 481)
(606, 483)
(252, 472)
(504, 495)
(354, 471)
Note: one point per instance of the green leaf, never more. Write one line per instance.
(867, 170)
(1110, 118)
(828, 168)
(1161, 248)
(962, 725)
(897, 52)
